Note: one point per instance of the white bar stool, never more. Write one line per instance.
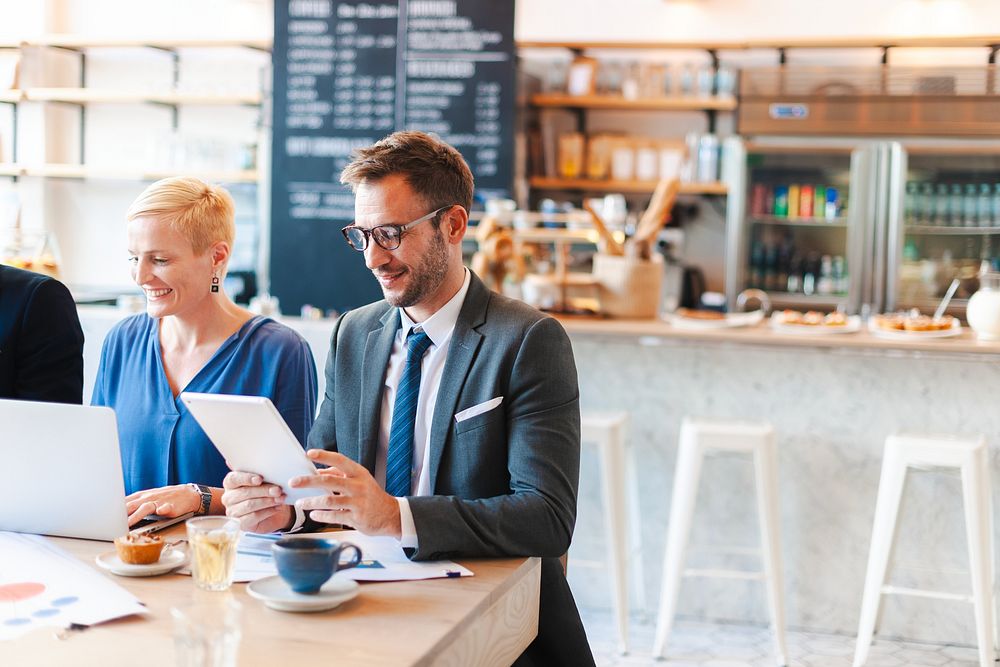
(699, 436)
(970, 457)
(608, 431)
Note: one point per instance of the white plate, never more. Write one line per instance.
(750, 319)
(275, 593)
(778, 324)
(170, 559)
(876, 330)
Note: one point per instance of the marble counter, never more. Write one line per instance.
(832, 403)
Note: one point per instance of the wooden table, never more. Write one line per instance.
(487, 619)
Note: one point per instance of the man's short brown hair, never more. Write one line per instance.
(436, 171)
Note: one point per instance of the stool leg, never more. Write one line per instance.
(635, 534)
(976, 494)
(681, 513)
(890, 491)
(770, 520)
(612, 453)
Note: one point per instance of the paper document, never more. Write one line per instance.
(382, 559)
(43, 586)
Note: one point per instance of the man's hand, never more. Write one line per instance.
(260, 507)
(355, 499)
(165, 501)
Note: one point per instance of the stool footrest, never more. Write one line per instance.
(920, 593)
(725, 574)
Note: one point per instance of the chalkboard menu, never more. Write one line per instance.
(345, 75)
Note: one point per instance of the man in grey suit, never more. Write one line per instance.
(451, 418)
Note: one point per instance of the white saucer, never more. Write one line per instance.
(170, 559)
(275, 593)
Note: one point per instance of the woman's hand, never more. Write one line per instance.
(166, 501)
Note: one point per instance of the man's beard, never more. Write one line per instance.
(426, 277)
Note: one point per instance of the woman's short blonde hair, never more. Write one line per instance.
(202, 213)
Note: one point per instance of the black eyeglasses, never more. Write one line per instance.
(387, 236)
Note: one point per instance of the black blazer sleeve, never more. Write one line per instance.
(48, 351)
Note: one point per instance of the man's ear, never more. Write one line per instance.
(455, 222)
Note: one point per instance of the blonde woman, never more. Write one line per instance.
(192, 337)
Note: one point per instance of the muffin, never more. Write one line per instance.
(139, 549)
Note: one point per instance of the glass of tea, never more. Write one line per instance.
(212, 548)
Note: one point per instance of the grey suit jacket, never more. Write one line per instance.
(504, 481)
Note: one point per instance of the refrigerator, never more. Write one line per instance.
(942, 222)
(802, 219)
(897, 221)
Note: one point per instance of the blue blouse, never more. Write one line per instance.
(160, 442)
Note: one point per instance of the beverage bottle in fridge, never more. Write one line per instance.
(956, 206)
(945, 205)
(995, 207)
(758, 198)
(781, 201)
(832, 203)
(806, 201)
(910, 204)
(793, 201)
(794, 283)
(756, 278)
(926, 212)
(771, 268)
(781, 279)
(984, 203)
(824, 285)
(839, 275)
(819, 201)
(969, 205)
(810, 273)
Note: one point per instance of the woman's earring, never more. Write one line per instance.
(215, 283)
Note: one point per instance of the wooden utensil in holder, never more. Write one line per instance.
(656, 216)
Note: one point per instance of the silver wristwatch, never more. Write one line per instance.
(206, 498)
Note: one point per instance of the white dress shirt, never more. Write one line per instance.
(439, 328)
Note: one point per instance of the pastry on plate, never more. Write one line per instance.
(791, 317)
(700, 314)
(138, 549)
(835, 319)
(890, 321)
(813, 318)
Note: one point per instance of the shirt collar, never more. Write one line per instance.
(439, 326)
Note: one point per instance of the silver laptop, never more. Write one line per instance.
(61, 471)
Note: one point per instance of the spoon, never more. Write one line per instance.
(947, 297)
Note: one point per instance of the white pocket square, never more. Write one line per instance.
(478, 409)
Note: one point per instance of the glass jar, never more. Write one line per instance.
(983, 311)
(29, 249)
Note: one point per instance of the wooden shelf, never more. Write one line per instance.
(75, 42)
(950, 231)
(792, 43)
(567, 280)
(96, 96)
(77, 171)
(640, 187)
(800, 222)
(560, 100)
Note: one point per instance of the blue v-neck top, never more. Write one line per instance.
(161, 443)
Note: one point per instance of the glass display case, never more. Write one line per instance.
(801, 228)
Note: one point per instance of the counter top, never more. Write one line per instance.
(763, 334)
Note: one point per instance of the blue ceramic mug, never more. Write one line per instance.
(305, 563)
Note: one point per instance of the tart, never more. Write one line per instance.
(700, 314)
(138, 549)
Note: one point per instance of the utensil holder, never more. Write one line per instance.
(629, 287)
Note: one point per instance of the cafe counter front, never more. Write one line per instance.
(833, 400)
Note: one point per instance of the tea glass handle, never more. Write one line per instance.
(354, 562)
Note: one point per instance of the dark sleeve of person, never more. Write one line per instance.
(543, 464)
(49, 349)
(323, 434)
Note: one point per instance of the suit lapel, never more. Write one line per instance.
(465, 341)
(373, 368)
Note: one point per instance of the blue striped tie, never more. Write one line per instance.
(400, 456)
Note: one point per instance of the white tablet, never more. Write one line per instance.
(252, 436)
